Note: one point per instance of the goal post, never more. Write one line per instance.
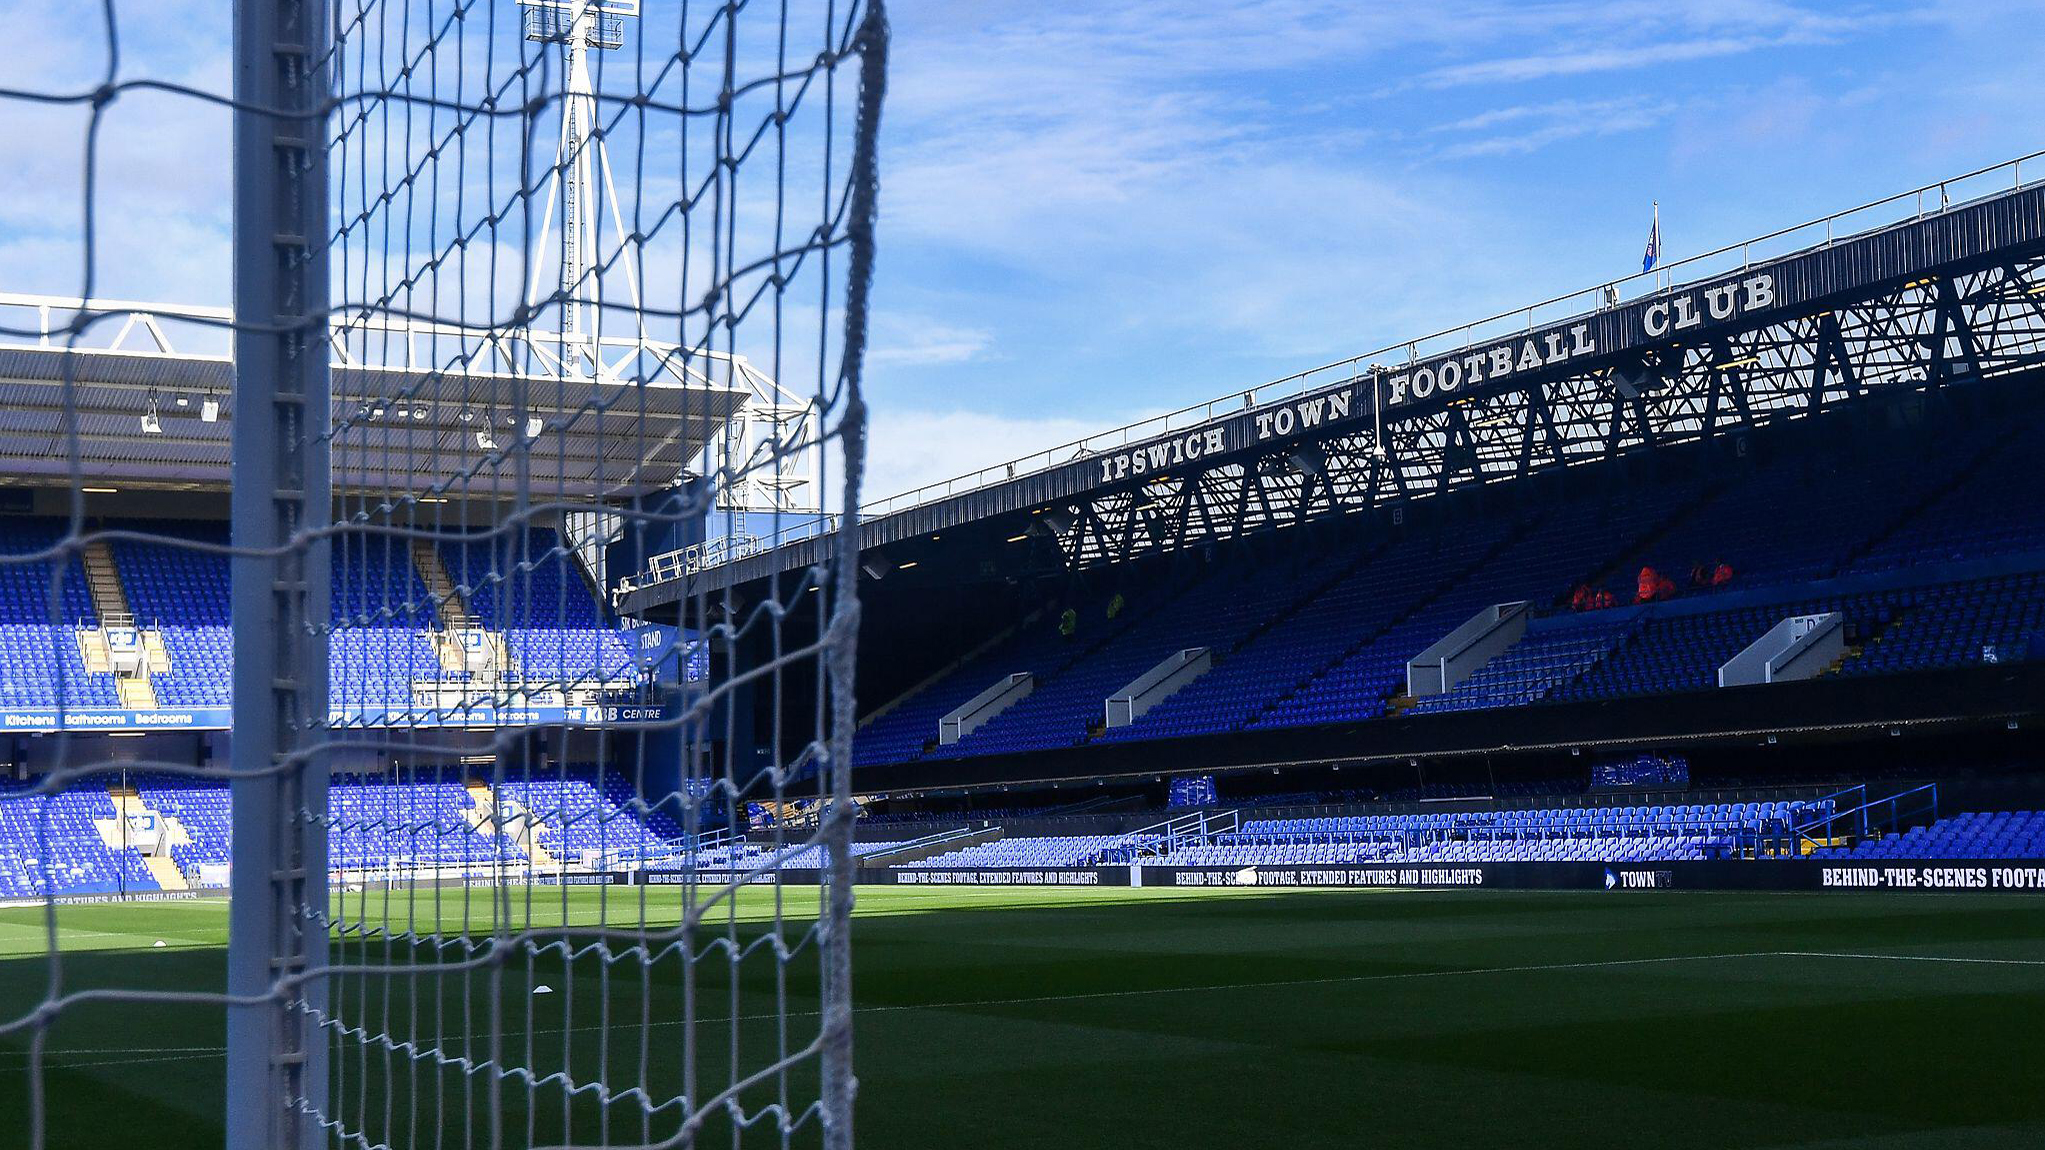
(283, 493)
(527, 297)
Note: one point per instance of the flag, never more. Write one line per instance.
(1653, 255)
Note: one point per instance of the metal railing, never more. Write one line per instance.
(1195, 828)
(1867, 818)
(695, 557)
(1902, 207)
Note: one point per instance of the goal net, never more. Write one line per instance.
(416, 563)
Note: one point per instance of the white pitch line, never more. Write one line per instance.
(1913, 957)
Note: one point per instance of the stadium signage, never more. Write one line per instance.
(1070, 877)
(1309, 876)
(1452, 373)
(1639, 879)
(1934, 877)
(1277, 422)
(201, 718)
(1658, 319)
(1163, 454)
(220, 718)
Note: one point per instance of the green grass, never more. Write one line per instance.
(1117, 1018)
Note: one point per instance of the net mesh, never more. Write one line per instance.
(539, 303)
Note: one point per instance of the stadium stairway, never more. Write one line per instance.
(161, 864)
(1442, 583)
(1314, 586)
(946, 671)
(520, 828)
(137, 691)
(447, 598)
(103, 580)
(1066, 663)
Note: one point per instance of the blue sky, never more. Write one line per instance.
(1096, 211)
(1109, 210)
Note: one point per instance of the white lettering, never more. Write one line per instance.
(1656, 318)
(1760, 291)
(1686, 313)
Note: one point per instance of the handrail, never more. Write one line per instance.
(1161, 838)
(925, 842)
(1894, 804)
(1828, 817)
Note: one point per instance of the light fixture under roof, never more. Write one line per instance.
(209, 411)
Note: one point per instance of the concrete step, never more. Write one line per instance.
(165, 871)
(103, 578)
(447, 601)
(92, 648)
(137, 693)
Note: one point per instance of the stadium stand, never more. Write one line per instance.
(1975, 835)
(449, 823)
(182, 594)
(1935, 559)
(56, 836)
(42, 603)
(523, 585)
(176, 592)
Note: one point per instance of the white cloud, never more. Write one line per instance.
(1532, 127)
(904, 340)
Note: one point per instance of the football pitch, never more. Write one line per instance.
(1137, 1018)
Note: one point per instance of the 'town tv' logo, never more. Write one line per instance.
(1639, 879)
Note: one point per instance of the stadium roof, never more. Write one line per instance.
(1934, 285)
(442, 418)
